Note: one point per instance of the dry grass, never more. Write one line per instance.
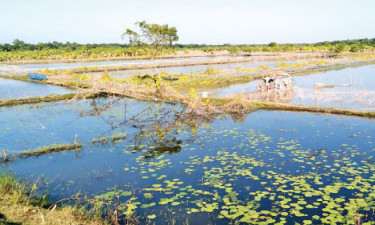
(17, 206)
(20, 213)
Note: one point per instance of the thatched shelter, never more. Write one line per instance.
(278, 81)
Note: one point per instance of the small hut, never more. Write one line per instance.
(278, 81)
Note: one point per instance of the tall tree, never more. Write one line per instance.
(154, 35)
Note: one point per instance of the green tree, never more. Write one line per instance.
(339, 48)
(354, 48)
(272, 44)
(18, 44)
(327, 44)
(154, 35)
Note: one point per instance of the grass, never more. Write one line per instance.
(101, 140)
(203, 82)
(85, 69)
(48, 98)
(260, 105)
(50, 149)
(114, 138)
(329, 67)
(75, 84)
(33, 100)
(257, 105)
(18, 77)
(18, 207)
(51, 81)
(118, 137)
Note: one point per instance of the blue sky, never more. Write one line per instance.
(197, 21)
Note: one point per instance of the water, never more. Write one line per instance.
(197, 68)
(10, 89)
(24, 68)
(353, 88)
(266, 166)
(114, 62)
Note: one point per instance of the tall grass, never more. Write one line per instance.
(13, 187)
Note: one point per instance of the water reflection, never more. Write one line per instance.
(11, 89)
(349, 88)
(181, 167)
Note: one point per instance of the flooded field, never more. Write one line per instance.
(164, 167)
(116, 62)
(349, 88)
(11, 89)
(197, 69)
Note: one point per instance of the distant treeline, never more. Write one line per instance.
(366, 41)
(21, 45)
(19, 50)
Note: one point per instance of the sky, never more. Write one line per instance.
(197, 21)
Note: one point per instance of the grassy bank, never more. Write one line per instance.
(70, 84)
(206, 83)
(33, 100)
(324, 68)
(19, 206)
(50, 98)
(248, 106)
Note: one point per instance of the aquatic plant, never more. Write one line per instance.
(118, 137)
(50, 149)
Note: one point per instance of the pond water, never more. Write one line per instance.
(198, 68)
(10, 89)
(116, 62)
(261, 168)
(351, 88)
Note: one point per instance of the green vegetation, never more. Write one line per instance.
(152, 35)
(258, 105)
(19, 205)
(237, 105)
(114, 138)
(76, 84)
(33, 100)
(244, 183)
(20, 51)
(118, 137)
(50, 149)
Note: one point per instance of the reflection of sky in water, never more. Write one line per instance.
(283, 141)
(19, 89)
(359, 95)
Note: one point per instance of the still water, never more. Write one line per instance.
(260, 168)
